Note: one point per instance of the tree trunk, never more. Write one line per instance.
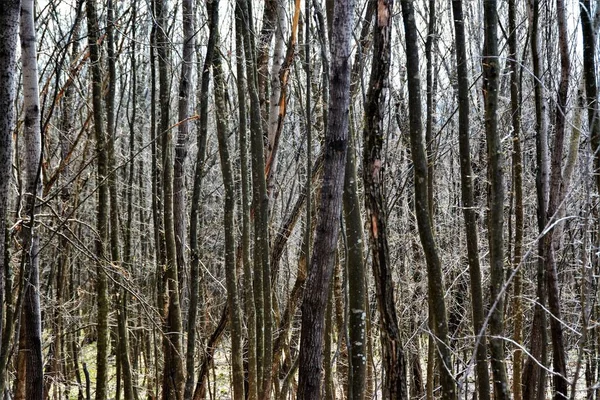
(394, 363)
(9, 28)
(434, 265)
(103, 205)
(204, 76)
(325, 243)
(30, 374)
(183, 133)
(235, 321)
(468, 200)
(173, 377)
(249, 301)
(262, 282)
(491, 73)
(534, 376)
(517, 173)
(554, 201)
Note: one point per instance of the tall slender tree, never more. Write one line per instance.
(102, 222)
(322, 259)
(173, 376)
(30, 365)
(394, 362)
(235, 320)
(468, 199)
(430, 248)
(9, 28)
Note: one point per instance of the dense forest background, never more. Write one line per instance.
(299, 199)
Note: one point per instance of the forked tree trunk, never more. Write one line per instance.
(262, 276)
(327, 231)
(249, 310)
(30, 383)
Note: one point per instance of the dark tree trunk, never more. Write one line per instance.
(468, 199)
(491, 73)
(235, 320)
(517, 173)
(534, 376)
(325, 243)
(394, 362)
(103, 205)
(202, 134)
(434, 265)
(554, 201)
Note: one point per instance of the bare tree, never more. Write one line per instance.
(9, 27)
(322, 259)
(30, 384)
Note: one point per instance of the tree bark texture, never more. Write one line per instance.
(262, 282)
(30, 373)
(327, 231)
(393, 359)
(9, 28)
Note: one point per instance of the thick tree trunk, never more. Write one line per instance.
(30, 383)
(434, 265)
(468, 200)
(9, 28)
(325, 243)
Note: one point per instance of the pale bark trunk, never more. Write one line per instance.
(9, 27)
(30, 384)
